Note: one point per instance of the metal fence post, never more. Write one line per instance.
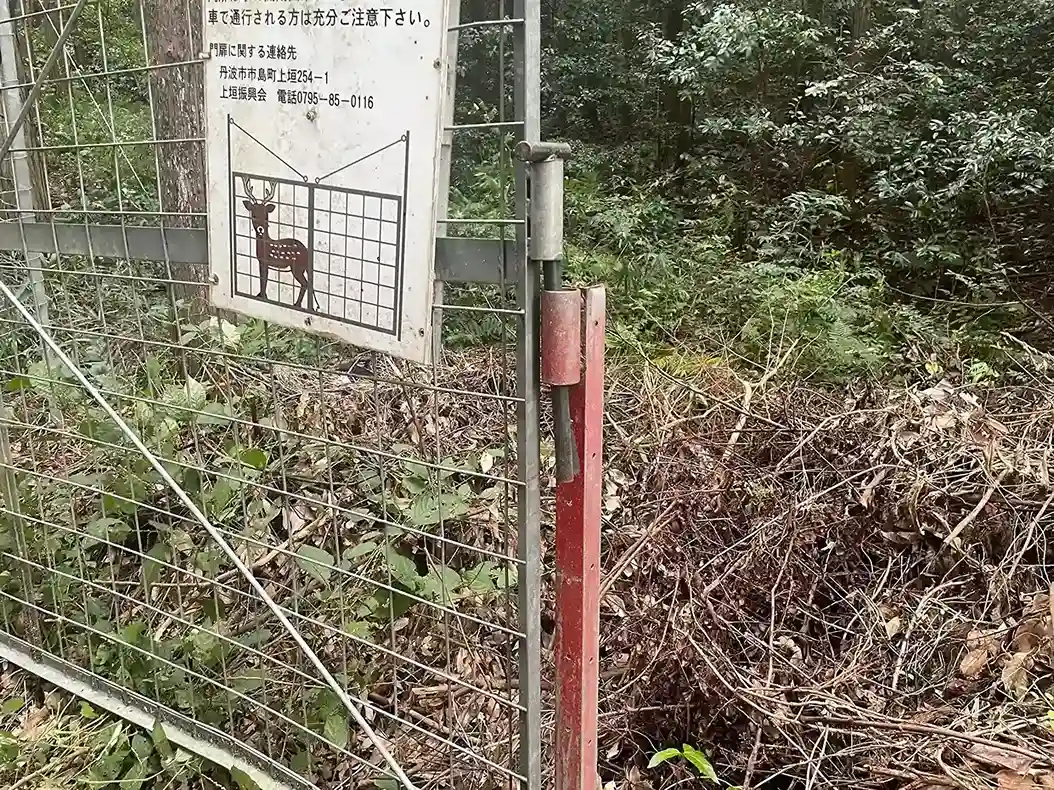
(527, 43)
(546, 216)
(578, 413)
(446, 158)
(578, 512)
(25, 199)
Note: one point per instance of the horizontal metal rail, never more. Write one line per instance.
(215, 745)
(458, 260)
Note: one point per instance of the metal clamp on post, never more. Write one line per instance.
(561, 333)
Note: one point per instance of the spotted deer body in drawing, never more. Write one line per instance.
(279, 254)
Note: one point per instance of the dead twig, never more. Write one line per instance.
(627, 557)
(973, 514)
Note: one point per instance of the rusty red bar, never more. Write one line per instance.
(578, 508)
(561, 337)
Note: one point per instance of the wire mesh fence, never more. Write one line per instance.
(322, 561)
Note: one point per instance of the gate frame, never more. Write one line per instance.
(457, 260)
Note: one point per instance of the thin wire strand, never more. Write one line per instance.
(355, 448)
(260, 654)
(219, 353)
(205, 581)
(389, 587)
(168, 603)
(186, 465)
(115, 640)
(213, 533)
(114, 73)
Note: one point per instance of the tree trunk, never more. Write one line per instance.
(47, 19)
(679, 114)
(178, 110)
(861, 29)
(847, 168)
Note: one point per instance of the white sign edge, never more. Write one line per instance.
(423, 344)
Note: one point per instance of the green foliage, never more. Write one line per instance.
(693, 290)
(379, 567)
(695, 757)
(863, 180)
(92, 114)
(68, 743)
(866, 178)
(95, 750)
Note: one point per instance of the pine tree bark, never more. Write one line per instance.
(177, 93)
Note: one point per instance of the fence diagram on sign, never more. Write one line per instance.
(318, 247)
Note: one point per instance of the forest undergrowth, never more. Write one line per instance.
(827, 514)
(825, 232)
(809, 585)
(826, 555)
(823, 587)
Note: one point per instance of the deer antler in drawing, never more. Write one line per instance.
(270, 187)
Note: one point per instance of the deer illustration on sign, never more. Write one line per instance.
(282, 255)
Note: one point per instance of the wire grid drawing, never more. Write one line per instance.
(353, 238)
(302, 557)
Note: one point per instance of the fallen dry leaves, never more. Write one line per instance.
(827, 527)
(1008, 780)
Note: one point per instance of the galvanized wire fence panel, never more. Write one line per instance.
(388, 512)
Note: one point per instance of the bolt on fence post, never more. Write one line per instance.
(560, 341)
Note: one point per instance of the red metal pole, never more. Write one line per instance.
(578, 509)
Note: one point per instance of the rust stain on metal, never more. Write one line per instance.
(561, 337)
(578, 517)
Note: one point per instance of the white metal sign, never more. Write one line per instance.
(323, 134)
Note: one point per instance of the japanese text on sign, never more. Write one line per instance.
(332, 17)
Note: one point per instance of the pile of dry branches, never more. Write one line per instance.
(817, 589)
(828, 590)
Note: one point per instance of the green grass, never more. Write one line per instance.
(50, 740)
